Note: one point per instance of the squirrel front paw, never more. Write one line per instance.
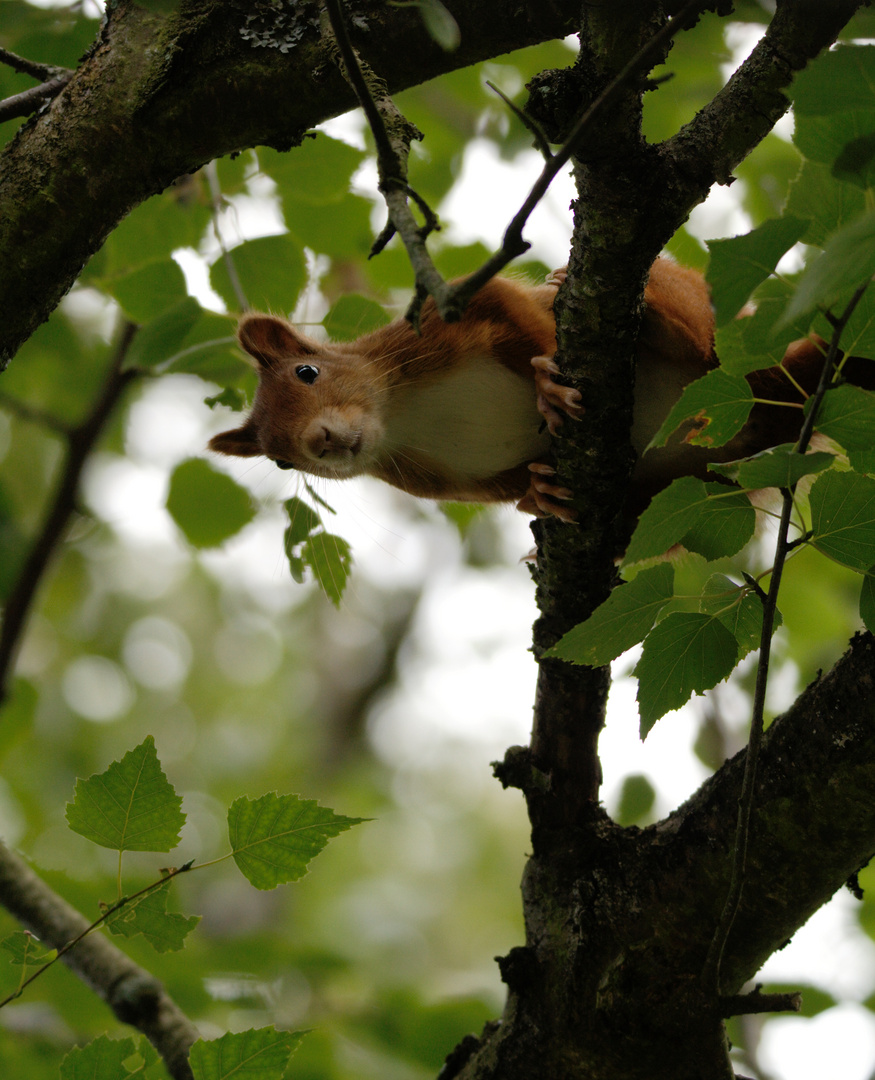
(554, 399)
(545, 499)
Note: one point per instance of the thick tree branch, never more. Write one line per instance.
(134, 995)
(154, 101)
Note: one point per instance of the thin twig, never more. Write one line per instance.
(28, 101)
(96, 925)
(451, 300)
(216, 200)
(80, 443)
(527, 121)
(393, 134)
(135, 996)
(33, 68)
(711, 970)
(513, 243)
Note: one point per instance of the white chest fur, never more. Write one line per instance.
(475, 422)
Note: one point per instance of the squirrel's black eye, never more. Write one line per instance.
(307, 373)
(284, 465)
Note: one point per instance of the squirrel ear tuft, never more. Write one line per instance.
(271, 340)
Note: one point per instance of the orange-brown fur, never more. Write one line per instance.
(434, 415)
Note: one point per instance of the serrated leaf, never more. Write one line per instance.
(272, 272)
(624, 619)
(670, 515)
(165, 930)
(761, 340)
(303, 519)
(102, 1059)
(330, 559)
(847, 261)
(257, 1054)
(779, 466)
(207, 505)
(827, 205)
(687, 653)
(23, 949)
(274, 838)
(843, 518)
(441, 25)
(738, 265)
(847, 415)
(718, 404)
(738, 608)
(353, 315)
(727, 522)
(130, 807)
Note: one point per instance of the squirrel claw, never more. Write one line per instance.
(557, 276)
(554, 399)
(540, 499)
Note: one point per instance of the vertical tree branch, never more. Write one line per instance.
(80, 443)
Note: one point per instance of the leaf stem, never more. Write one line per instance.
(711, 972)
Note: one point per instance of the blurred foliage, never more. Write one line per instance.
(145, 626)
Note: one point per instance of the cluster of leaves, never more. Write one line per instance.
(132, 806)
(689, 651)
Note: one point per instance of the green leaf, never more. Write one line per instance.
(718, 405)
(624, 619)
(150, 290)
(440, 24)
(843, 518)
(816, 195)
(257, 1054)
(165, 930)
(760, 340)
(867, 599)
(159, 339)
(320, 170)
(274, 838)
(848, 416)
(779, 466)
(840, 79)
(739, 609)
(740, 264)
(330, 559)
(207, 505)
(102, 1059)
(272, 272)
(130, 807)
(725, 525)
(670, 515)
(353, 315)
(686, 653)
(24, 949)
(303, 519)
(230, 397)
(847, 261)
(637, 797)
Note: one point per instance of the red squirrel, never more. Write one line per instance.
(465, 410)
